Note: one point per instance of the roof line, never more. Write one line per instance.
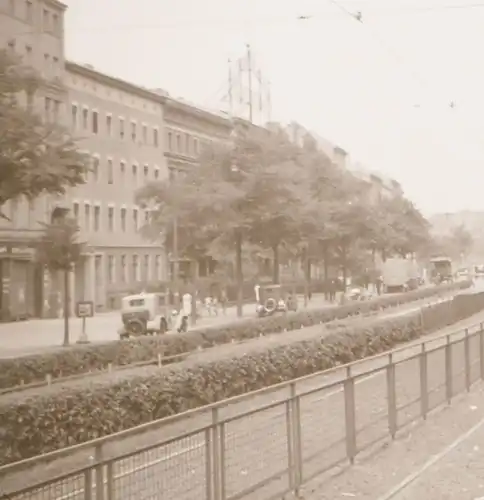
(89, 72)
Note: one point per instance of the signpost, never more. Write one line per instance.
(84, 309)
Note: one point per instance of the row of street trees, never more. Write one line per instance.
(260, 195)
(262, 192)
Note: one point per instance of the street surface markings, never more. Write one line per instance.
(431, 462)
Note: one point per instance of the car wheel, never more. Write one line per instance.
(136, 328)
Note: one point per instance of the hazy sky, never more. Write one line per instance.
(381, 89)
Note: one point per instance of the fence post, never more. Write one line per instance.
(350, 420)
(209, 476)
(424, 393)
(467, 359)
(391, 397)
(481, 349)
(216, 456)
(98, 457)
(110, 480)
(298, 453)
(290, 442)
(88, 484)
(448, 370)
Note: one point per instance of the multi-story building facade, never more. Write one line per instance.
(134, 136)
(121, 127)
(33, 30)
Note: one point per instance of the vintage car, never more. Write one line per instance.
(274, 298)
(149, 313)
(358, 294)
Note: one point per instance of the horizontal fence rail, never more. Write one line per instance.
(161, 359)
(265, 444)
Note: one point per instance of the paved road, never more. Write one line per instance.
(256, 446)
(35, 335)
(456, 473)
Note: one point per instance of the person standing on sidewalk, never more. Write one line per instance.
(223, 300)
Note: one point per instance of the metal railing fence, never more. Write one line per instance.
(262, 445)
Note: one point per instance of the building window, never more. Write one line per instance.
(170, 141)
(28, 11)
(122, 170)
(46, 20)
(156, 173)
(55, 66)
(187, 144)
(11, 46)
(75, 210)
(95, 168)
(123, 220)
(28, 54)
(155, 137)
(109, 124)
(85, 118)
(133, 131)
(47, 65)
(110, 219)
(124, 269)
(135, 174)
(87, 216)
(110, 171)
(55, 23)
(95, 124)
(195, 146)
(147, 268)
(121, 128)
(145, 134)
(158, 267)
(111, 269)
(57, 105)
(178, 143)
(146, 171)
(136, 269)
(97, 218)
(135, 219)
(147, 216)
(74, 116)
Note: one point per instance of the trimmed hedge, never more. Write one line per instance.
(71, 415)
(77, 359)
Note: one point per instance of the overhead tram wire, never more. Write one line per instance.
(358, 17)
(385, 11)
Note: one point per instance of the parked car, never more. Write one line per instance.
(149, 314)
(274, 298)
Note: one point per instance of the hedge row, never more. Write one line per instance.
(82, 413)
(79, 359)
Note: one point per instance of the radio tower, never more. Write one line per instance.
(249, 93)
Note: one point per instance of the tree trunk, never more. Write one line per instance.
(344, 265)
(275, 264)
(66, 307)
(306, 276)
(238, 272)
(326, 270)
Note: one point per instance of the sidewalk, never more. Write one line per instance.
(437, 459)
(26, 337)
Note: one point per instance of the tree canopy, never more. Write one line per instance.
(264, 191)
(36, 156)
(59, 248)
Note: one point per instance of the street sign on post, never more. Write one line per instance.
(84, 309)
